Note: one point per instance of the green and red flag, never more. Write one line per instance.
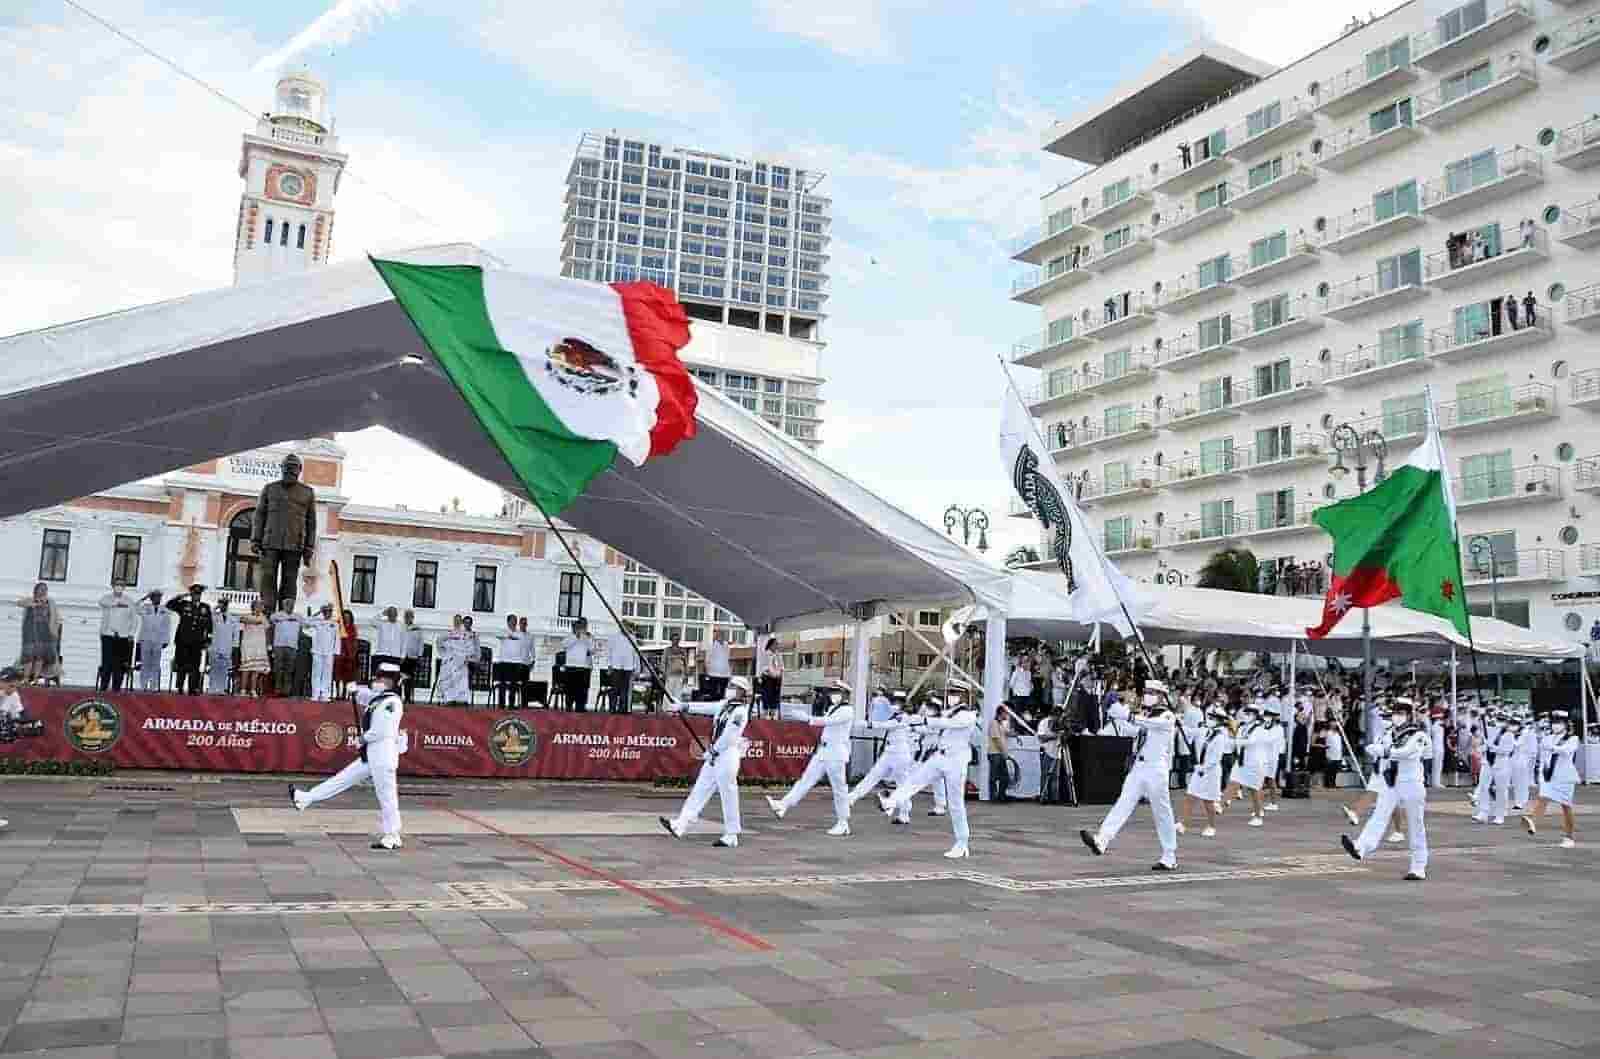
(1399, 541)
(563, 375)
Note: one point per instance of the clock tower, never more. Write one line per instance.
(291, 166)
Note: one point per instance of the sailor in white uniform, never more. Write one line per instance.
(1489, 727)
(1211, 743)
(1525, 764)
(719, 771)
(947, 764)
(927, 746)
(1498, 757)
(829, 759)
(1558, 778)
(1436, 738)
(896, 761)
(382, 743)
(1117, 722)
(1147, 778)
(1257, 747)
(1405, 788)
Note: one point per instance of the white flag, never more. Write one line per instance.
(1097, 590)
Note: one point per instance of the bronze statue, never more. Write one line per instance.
(284, 532)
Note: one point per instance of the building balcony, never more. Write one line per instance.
(1134, 426)
(1360, 86)
(1187, 351)
(1578, 147)
(1039, 284)
(1582, 307)
(1103, 213)
(1139, 314)
(1509, 77)
(1577, 44)
(1066, 439)
(1060, 392)
(1295, 175)
(1304, 383)
(1350, 148)
(1515, 168)
(1189, 293)
(1586, 476)
(1584, 389)
(1305, 450)
(1184, 221)
(1528, 566)
(1534, 484)
(1246, 141)
(1044, 241)
(1127, 547)
(1529, 402)
(1139, 367)
(1252, 334)
(1282, 523)
(1201, 532)
(1398, 428)
(1190, 410)
(1365, 226)
(1137, 245)
(1579, 226)
(1140, 484)
(1364, 295)
(1444, 48)
(1298, 254)
(1042, 347)
(1369, 364)
(1447, 344)
(1447, 270)
(1589, 560)
(1174, 177)
(1192, 472)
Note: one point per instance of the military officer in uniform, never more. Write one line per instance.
(1147, 780)
(194, 636)
(225, 631)
(829, 759)
(382, 743)
(719, 771)
(284, 532)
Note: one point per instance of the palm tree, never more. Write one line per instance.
(1232, 569)
(1021, 557)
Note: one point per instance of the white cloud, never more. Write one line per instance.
(340, 24)
(1276, 31)
(854, 29)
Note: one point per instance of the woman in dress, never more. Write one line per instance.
(771, 677)
(345, 662)
(254, 662)
(41, 635)
(454, 688)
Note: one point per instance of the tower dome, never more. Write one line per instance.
(300, 101)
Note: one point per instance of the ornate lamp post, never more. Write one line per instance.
(1359, 445)
(969, 519)
(1483, 561)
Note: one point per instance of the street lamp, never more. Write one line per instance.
(969, 519)
(1359, 444)
(1483, 561)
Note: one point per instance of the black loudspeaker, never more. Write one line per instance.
(1297, 784)
(1099, 765)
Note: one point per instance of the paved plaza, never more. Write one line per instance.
(151, 916)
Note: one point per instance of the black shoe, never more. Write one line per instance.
(1412, 876)
(1090, 841)
(1163, 866)
(1350, 846)
(667, 824)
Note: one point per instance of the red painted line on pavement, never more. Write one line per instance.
(705, 919)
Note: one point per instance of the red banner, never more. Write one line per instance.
(203, 733)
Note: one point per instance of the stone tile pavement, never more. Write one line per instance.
(544, 920)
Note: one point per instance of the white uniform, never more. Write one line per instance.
(155, 629)
(1480, 794)
(894, 764)
(383, 742)
(324, 634)
(1405, 755)
(1558, 771)
(947, 764)
(927, 746)
(719, 771)
(1205, 782)
(1255, 746)
(1523, 766)
(1436, 740)
(1503, 749)
(1377, 755)
(391, 639)
(224, 638)
(829, 759)
(1152, 762)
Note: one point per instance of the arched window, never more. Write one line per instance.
(268, 240)
(283, 236)
(240, 572)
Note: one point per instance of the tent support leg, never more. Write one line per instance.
(994, 693)
(860, 663)
(1292, 712)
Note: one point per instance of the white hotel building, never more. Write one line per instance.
(1260, 256)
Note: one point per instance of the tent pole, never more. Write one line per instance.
(994, 693)
(1293, 714)
(861, 661)
(1583, 713)
(1453, 709)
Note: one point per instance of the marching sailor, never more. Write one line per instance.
(1205, 782)
(1257, 748)
(1378, 754)
(1526, 762)
(1403, 787)
(1498, 753)
(382, 743)
(897, 759)
(829, 759)
(719, 771)
(1558, 778)
(1148, 779)
(945, 763)
(1117, 722)
(1489, 727)
(1437, 739)
(927, 747)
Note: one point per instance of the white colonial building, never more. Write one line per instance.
(1264, 265)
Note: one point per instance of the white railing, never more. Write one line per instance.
(1579, 31)
(1579, 219)
(1585, 385)
(1242, 134)
(1500, 70)
(1508, 162)
(1438, 37)
(1539, 479)
(1575, 138)
(1512, 239)
(1545, 564)
(1356, 78)
(299, 137)
(1137, 305)
(1296, 311)
(1444, 339)
(1291, 166)
(1361, 218)
(1301, 376)
(1485, 408)
(1059, 221)
(1585, 301)
(1366, 358)
(1136, 186)
(1360, 289)
(1292, 245)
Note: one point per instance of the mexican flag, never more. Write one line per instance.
(562, 374)
(1398, 541)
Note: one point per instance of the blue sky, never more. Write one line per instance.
(120, 185)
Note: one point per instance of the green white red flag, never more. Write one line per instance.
(563, 375)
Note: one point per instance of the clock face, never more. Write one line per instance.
(291, 185)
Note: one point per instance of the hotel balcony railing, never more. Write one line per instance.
(1514, 168)
(1447, 342)
(1059, 223)
(1196, 531)
(1528, 399)
(1306, 445)
(1363, 83)
(1539, 480)
(1344, 150)
(1115, 320)
(1033, 350)
(1277, 521)
(1303, 380)
(1134, 421)
(1293, 174)
(1298, 252)
(1103, 257)
(1205, 403)
(1579, 226)
(1576, 44)
(1395, 426)
(1584, 391)
(1586, 474)
(1102, 212)
(1188, 350)
(1357, 296)
(1509, 75)
(1035, 280)
(1583, 307)
(1366, 224)
(1196, 469)
(1450, 269)
(1443, 47)
(1175, 173)
(1115, 372)
(1069, 437)
(1410, 351)
(1528, 564)
(1589, 560)
(1073, 385)
(1299, 315)
(1127, 545)
(1246, 139)
(1578, 145)
(1138, 481)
